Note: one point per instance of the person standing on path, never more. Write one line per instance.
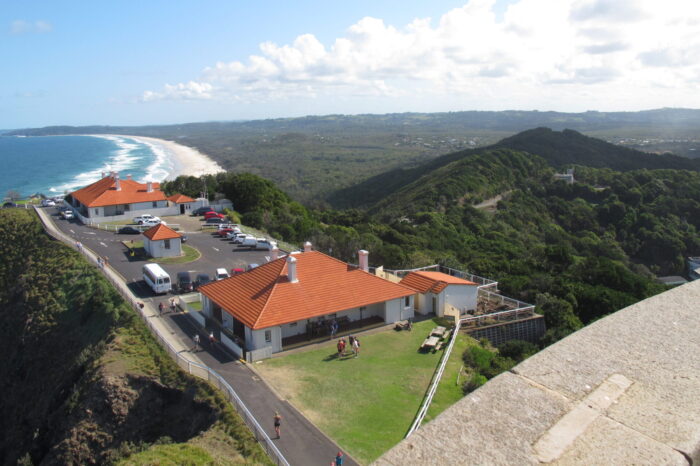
(172, 305)
(356, 346)
(278, 422)
(196, 342)
(339, 459)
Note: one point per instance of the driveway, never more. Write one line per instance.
(215, 252)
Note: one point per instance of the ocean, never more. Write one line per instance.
(54, 165)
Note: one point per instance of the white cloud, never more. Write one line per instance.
(576, 52)
(21, 26)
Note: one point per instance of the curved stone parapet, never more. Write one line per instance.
(623, 390)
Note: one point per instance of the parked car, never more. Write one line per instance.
(258, 243)
(220, 274)
(252, 266)
(228, 225)
(209, 215)
(8, 204)
(240, 237)
(67, 214)
(141, 219)
(184, 282)
(202, 279)
(202, 210)
(224, 232)
(48, 203)
(183, 238)
(237, 271)
(153, 222)
(215, 221)
(129, 231)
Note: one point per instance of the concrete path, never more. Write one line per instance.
(301, 442)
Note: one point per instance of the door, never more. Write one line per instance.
(435, 305)
(182, 209)
(217, 314)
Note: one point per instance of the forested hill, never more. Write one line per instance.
(559, 149)
(82, 379)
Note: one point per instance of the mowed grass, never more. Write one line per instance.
(449, 389)
(366, 404)
(189, 254)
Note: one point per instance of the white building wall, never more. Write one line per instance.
(257, 339)
(463, 297)
(157, 248)
(227, 320)
(206, 306)
(289, 330)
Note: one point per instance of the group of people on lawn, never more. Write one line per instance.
(354, 343)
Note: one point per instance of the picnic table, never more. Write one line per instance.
(430, 342)
(438, 331)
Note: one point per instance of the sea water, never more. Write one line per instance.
(55, 165)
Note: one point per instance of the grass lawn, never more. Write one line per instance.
(366, 404)
(190, 255)
(196, 305)
(449, 391)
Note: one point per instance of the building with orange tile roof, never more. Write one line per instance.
(295, 297)
(162, 241)
(112, 198)
(436, 290)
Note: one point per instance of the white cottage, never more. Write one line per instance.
(295, 298)
(436, 290)
(161, 241)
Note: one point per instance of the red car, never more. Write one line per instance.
(223, 232)
(236, 271)
(209, 215)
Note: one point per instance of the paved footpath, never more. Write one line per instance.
(301, 442)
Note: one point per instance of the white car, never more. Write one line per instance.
(152, 222)
(67, 214)
(240, 237)
(48, 203)
(142, 219)
(220, 274)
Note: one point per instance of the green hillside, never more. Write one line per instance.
(82, 379)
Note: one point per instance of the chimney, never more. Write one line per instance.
(292, 269)
(103, 174)
(117, 186)
(364, 259)
(274, 254)
(307, 247)
(149, 186)
(128, 177)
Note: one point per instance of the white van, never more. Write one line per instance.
(221, 274)
(157, 278)
(252, 242)
(265, 245)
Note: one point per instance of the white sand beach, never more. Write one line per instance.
(186, 160)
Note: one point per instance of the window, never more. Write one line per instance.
(268, 336)
(407, 301)
(97, 211)
(127, 207)
(293, 324)
(166, 243)
(155, 203)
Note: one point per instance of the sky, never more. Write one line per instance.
(163, 62)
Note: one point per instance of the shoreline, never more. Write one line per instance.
(185, 160)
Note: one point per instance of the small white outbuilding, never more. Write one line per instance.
(436, 290)
(161, 241)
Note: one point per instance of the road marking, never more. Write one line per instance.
(89, 233)
(267, 258)
(215, 249)
(71, 231)
(103, 244)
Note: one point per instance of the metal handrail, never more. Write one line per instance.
(260, 434)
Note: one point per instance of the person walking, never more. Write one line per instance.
(334, 328)
(278, 423)
(356, 346)
(161, 306)
(339, 459)
(172, 305)
(212, 340)
(196, 342)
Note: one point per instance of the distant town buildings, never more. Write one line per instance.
(567, 177)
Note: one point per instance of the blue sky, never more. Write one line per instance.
(164, 62)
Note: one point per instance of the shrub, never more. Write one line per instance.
(476, 381)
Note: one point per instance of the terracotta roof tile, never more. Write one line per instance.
(104, 193)
(433, 282)
(160, 232)
(264, 297)
(180, 198)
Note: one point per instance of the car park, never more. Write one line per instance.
(129, 231)
(143, 219)
(184, 282)
(202, 279)
(202, 210)
(220, 274)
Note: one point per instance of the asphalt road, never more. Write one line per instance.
(216, 252)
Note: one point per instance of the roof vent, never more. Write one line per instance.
(274, 253)
(307, 247)
(149, 186)
(128, 177)
(117, 186)
(364, 260)
(292, 269)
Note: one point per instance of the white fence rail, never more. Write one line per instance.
(141, 228)
(192, 367)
